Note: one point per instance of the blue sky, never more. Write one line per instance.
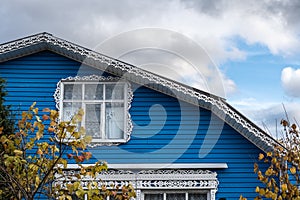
(260, 85)
(254, 44)
(258, 75)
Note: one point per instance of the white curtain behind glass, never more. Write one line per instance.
(114, 120)
(92, 120)
(70, 109)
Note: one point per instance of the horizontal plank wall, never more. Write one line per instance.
(166, 130)
(34, 78)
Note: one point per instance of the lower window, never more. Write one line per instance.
(174, 195)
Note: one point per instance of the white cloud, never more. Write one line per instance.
(211, 23)
(268, 31)
(169, 54)
(263, 22)
(214, 25)
(229, 86)
(290, 79)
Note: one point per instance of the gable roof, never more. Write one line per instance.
(218, 105)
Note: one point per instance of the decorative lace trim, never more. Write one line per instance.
(215, 103)
(58, 95)
(171, 179)
(152, 179)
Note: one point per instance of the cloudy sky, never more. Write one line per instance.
(246, 51)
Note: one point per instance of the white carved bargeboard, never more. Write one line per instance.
(90, 57)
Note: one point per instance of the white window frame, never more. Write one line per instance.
(165, 192)
(94, 79)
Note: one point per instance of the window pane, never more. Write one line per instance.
(72, 91)
(93, 92)
(153, 197)
(114, 119)
(114, 91)
(197, 196)
(92, 120)
(69, 109)
(176, 196)
(114, 198)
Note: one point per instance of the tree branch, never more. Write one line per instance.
(12, 179)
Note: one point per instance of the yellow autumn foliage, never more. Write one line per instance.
(280, 180)
(26, 172)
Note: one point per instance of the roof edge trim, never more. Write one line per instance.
(216, 104)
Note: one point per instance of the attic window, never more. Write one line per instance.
(106, 102)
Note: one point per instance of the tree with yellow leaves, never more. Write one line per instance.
(282, 178)
(34, 160)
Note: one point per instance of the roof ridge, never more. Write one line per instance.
(41, 34)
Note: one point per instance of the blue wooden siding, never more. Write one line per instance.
(177, 140)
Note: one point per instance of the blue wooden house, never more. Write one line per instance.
(171, 141)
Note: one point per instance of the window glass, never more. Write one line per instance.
(69, 110)
(114, 91)
(197, 196)
(172, 195)
(93, 92)
(154, 197)
(176, 196)
(92, 120)
(114, 113)
(73, 91)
